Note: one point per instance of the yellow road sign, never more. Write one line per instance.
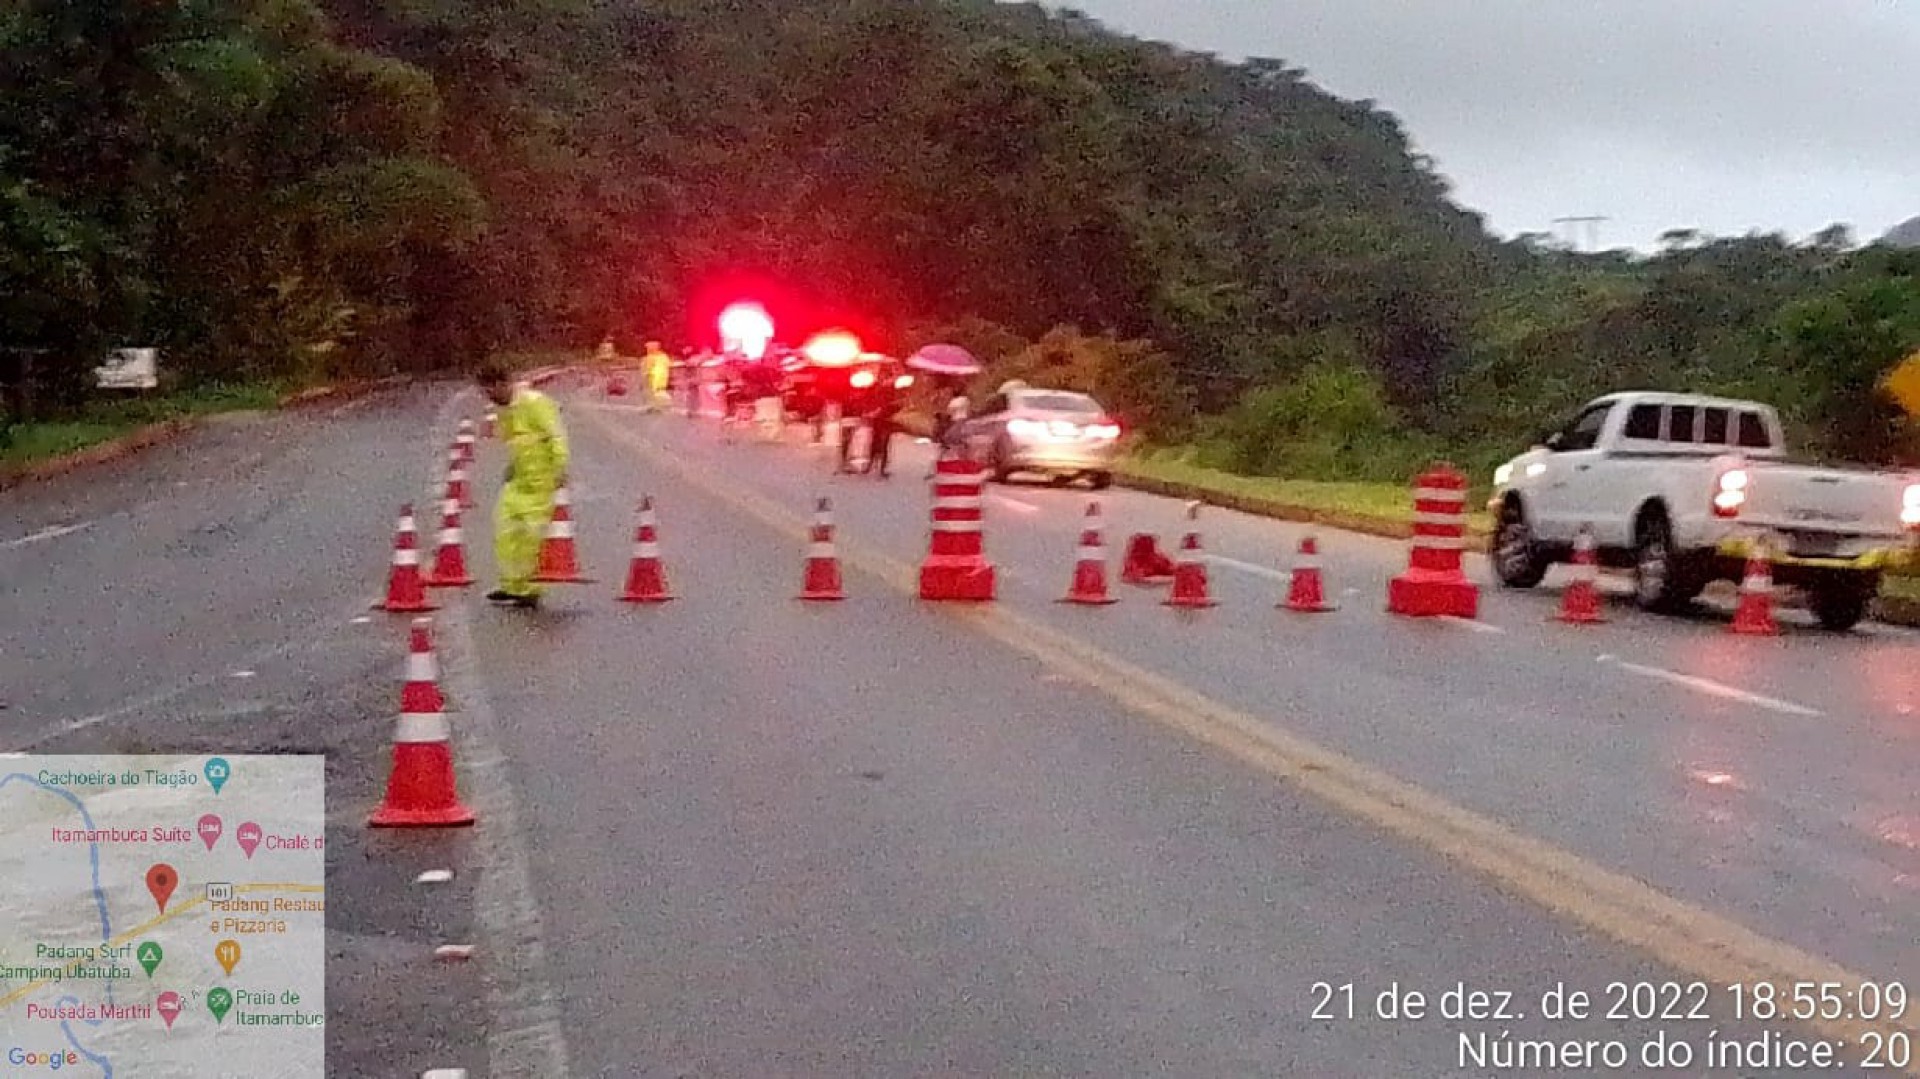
(1903, 383)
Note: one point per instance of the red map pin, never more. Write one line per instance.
(161, 881)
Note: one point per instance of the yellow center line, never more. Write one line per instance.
(1628, 910)
(153, 923)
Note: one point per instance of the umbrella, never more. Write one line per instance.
(945, 360)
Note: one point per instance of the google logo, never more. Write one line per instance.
(53, 1061)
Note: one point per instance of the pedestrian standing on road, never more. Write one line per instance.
(948, 433)
(883, 420)
(658, 367)
(859, 403)
(529, 426)
(769, 411)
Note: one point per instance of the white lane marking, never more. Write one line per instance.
(1015, 504)
(1248, 567)
(526, 1035)
(54, 532)
(1712, 688)
(434, 876)
(1472, 624)
(244, 674)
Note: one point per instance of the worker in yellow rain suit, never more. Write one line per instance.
(529, 425)
(659, 368)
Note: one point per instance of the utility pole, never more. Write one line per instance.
(1593, 223)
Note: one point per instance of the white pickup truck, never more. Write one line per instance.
(1681, 488)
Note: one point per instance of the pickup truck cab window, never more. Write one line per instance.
(1753, 433)
(1584, 432)
(1643, 423)
(1713, 426)
(1681, 421)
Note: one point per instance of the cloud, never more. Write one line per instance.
(1720, 114)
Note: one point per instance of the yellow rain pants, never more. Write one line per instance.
(537, 461)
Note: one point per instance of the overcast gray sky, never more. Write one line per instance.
(1720, 115)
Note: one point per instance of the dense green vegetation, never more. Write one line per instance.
(302, 188)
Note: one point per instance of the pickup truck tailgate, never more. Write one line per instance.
(1819, 509)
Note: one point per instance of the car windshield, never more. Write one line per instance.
(1058, 402)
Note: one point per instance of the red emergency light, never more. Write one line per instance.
(746, 325)
(834, 348)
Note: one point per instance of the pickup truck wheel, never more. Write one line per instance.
(1841, 604)
(1663, 581)
(1101, 480)
(1516, 558)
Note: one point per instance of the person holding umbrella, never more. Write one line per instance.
(952, 365)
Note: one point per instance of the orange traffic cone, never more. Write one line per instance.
(1580, 603)
(420, 788)
(559, 562)
(1145, 562)
(646, 579)
(420, 691)
(822, 578)
(463, 441)
(1189, 571)
(1305, 591)
(450, 557)
(406, 591)
(1090, 569)
(487, 424)
(1754, 614)
(457, 489)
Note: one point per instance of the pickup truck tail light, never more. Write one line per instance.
(1106, 428)
(1910, 507)
(1730, 493)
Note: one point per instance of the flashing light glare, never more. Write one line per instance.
(862, 379)
(835, 348)
(903, 382)
(746, 323)
(1910, 506)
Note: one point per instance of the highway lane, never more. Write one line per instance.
(774, 838)
(1801, 826)
(1038, 879)
(215, 599)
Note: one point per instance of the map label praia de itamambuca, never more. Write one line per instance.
(162, 916)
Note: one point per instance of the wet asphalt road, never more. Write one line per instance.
(736, 835)
(212, 597)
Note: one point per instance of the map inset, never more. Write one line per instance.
(162, 916)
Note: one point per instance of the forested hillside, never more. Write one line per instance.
(285, 186)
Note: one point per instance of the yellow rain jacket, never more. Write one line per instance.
(537, 458)
(659, 368)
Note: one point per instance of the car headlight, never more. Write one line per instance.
(1502, 474)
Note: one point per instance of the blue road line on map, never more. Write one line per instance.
(105, 1065)
(99, 899)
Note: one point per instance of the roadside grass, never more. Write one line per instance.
(26, 444)
(1387, 507)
